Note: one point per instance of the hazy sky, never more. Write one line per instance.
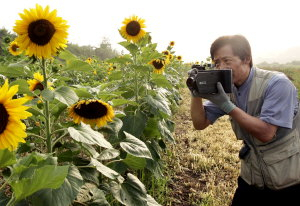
(269, 25)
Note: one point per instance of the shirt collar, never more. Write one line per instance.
(247, 82)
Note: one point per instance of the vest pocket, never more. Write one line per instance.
(283, 165)
(246, 172)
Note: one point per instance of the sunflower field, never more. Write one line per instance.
(79, 131)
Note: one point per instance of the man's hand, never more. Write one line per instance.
(220, 99)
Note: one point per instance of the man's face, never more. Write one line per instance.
(225, 59)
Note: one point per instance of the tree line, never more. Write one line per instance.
(102, 52)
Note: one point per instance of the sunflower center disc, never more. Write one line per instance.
(15, 47)
(39, 86)
(158, 64)
(133, 28)
(93, 110)
(6, 39)
(41, 31)
(3, 118)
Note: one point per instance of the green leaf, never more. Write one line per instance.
(84, 133)
(90, 150)
(3, 198)
(161, 81)
(64, 195)
(132, 48)
(145, 40)
(67, 55)
(118, 102)
(65, 95)
(23, 86)
(134, 124)
(151, 201)
(112, 127)
(7, 158)
(10, 71)
(151, 129)
(160, 105)
(115, 75)
(106, 171)
(49, 176)
(82, 92)
(57, 108)
(156, 167)
(135, 162)
(90, 195)
(142, 68)
(78, 65)
(135, 147)
(90, 175)
(108, 154)
(26, 165)
(164, 131)
(34, 110)
(47, 95)
(121, 60)
(131, 192)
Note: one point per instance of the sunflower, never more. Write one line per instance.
(179, 58)
(133, 29)
(12, 130)
(172, 43)
(37, 83)
(14, 48)
(89, 60)
(92, 112)
(40, 32)
(166, 52)
(159, 65)
(7, 39)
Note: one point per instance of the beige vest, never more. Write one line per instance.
(274, 164)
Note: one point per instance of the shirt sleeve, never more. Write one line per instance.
(280, 101)
(213, 112)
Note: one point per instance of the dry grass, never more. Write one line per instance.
(204, 165)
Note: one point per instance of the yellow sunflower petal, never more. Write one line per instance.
(12, 130)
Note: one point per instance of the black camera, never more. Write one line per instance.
(205, 81)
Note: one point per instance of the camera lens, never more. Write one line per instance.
(191, 83)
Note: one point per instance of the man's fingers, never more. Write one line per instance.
(220, 87)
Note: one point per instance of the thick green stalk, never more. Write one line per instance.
(136, 80)
(47, 114)
(12, 201)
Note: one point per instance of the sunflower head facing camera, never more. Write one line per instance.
(205, 81)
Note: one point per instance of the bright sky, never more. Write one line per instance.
(269, 25)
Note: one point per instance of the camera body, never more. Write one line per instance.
(205, 81)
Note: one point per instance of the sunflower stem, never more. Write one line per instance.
(136, 80)
(47, 115)
(5, 183)
(12, 201)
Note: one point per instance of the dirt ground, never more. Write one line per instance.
(204, 165)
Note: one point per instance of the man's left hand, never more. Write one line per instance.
(220, 99)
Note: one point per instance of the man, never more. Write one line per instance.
(263, 112)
